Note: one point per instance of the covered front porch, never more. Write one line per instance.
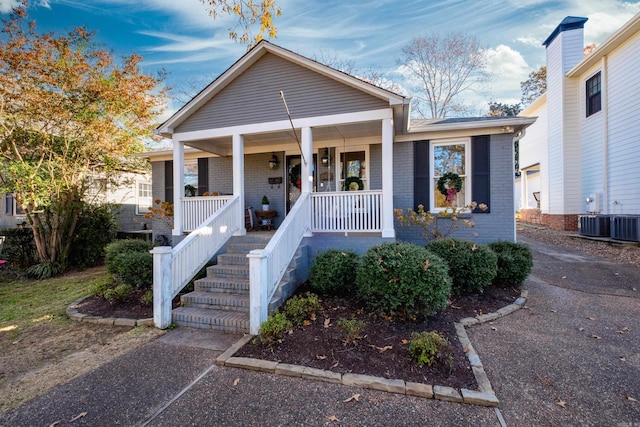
(345, 167)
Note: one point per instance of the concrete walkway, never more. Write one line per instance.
(576, 344)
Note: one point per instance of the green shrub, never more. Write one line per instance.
(401, 279)
(428, 348)
(514, 263)
(147, 298)
(19, 248)
(130, 262)
(472, 267)
(299, 308)
(334, 272)
(350, 329)
(118, 294)
(274, 328)
(96, 228)
(45, 270)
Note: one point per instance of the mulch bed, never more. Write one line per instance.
(131, 308)
(383, 349)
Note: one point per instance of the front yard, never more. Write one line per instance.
(41, 348)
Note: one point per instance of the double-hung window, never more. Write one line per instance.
(450, 156)
(593, 95)
(145, 198)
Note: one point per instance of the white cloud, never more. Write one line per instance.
(7, 5)
(509, 68)
(530, 41)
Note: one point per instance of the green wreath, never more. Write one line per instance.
(347, 186)
(449, 179)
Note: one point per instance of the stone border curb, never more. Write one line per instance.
(74, 314)
(484, 396)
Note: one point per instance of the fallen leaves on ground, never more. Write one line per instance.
(236, 381)
(626, 396)
(77, 417)
(355, 397)
(623, 330)
(327, 322)
(544, 381)
(596, 337)
(561, 403)
(334, 419)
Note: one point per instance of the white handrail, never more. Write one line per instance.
(347, 211)
(268, 266)
(195, 210)
(174, 267)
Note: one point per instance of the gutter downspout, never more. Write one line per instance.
(518, 137)
(605, 131)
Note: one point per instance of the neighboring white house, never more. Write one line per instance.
(585, 143)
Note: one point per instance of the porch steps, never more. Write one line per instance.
(221, 299)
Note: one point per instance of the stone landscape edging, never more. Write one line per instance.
(484, 396)
(74, 314)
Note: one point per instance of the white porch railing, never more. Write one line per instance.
(195, 210)
(268, 265)
(174, 267)
(346, 211)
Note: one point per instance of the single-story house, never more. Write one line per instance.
(280, 125)
(580, 158)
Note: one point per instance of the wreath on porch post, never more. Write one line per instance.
(352, 183)
(449, 185)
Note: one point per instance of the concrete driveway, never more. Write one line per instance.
(571, 357)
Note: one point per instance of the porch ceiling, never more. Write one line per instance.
(263, 142)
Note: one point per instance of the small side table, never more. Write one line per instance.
(265, 220)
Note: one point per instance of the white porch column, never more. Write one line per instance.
(307, 169)
(178, 186)
(307, 154)
(238, 175)
(387, 179)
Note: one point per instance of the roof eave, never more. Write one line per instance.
(480, 124)
(618, 38)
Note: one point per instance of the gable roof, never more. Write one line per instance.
(250, 58)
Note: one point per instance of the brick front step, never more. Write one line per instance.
(216, 301)
(233, 259)
(222, 284)
(227, 321)
(235, 271)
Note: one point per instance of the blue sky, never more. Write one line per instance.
(179, 35)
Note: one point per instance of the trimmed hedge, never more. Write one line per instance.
(130, 262)
(472, 267)
(515, 262)
(334, 272)
(402, 279)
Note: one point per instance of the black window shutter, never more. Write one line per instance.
(480, 170)
(203, 175)
(168, 181)
(421, 182)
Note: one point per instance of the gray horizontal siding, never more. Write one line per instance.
(254, 97)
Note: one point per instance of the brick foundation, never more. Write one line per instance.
(530, 216)
(560, 222)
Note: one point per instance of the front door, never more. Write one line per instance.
(294, 183)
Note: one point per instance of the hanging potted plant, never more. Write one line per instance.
(265, 203)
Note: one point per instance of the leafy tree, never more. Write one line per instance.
(497, 109)
(443, 68)
(534, 86)
(248, 14)
(68, 115)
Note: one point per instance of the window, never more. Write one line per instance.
(11, 208)
(352, 169)
(145, 198)
(594, 90)
(450, 156)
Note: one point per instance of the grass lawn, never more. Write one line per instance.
(27, 302)
(41, 348)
